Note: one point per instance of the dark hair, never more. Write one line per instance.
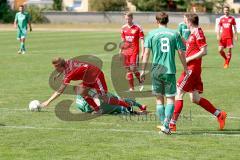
(226, 7)
(193, 19)
(186, 15)
(22, 6)
(162, 17)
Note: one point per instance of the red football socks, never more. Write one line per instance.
(130, 80)
(177, 110)
(204, 103)
(137, 74)
(116, 101)
(222, 53)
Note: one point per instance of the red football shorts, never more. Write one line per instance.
(191, 82)
(130, 60)
(99, 85)
(226, 42)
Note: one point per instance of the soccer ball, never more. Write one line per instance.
(34, 105)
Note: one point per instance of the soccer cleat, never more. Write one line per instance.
(173, 127)
(19, 52)
(225, 64)
(131, 89)
(165, 130)
(143, 108)
(23, 52)
(141, 86)
(221, 119)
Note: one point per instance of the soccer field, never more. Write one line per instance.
(42, 135)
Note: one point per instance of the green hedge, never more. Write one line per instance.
(108, 5)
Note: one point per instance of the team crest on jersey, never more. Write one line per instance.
(190, 38)
(229, 20)
(133, 31)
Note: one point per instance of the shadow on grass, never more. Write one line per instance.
(2, 124)
(210, 132)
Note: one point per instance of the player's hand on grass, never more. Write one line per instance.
(44, 104)
(97, 112)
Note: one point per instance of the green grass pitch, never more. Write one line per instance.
(41, 135)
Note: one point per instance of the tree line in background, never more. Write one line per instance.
(211, 6)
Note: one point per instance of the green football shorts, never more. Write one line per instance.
(164, 84)
(21, 33)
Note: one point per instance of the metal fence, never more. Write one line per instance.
(117, 17)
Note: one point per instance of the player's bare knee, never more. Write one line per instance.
(220, 49)
(194, 99)
(179, 95)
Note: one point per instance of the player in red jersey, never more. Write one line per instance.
(227, 23)
(91, 76)
(129, 51)
(192, 82)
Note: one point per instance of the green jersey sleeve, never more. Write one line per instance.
(148, 41)
(16, 17)
(179, 42)
(180, 29)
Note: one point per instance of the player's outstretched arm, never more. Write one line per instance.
(54, 96)
(218, 32)
(142, 47)
(15, 22)
(235, 32)
(182, 58)
(144, 62)
(30, 26)
(200, 54)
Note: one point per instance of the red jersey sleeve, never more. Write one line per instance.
(67, 79)
(123, 35)
(200, 38)
(141, 34)
(233, 22)
(220, 22)
(75, 74)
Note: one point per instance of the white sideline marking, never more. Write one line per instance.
(193, 116)
(75, 129)
(120, 130)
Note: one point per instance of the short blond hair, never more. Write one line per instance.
(58, 61)
(129, 14)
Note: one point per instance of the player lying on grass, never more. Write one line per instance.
(105, 108)
(192, 83)
(91, 76)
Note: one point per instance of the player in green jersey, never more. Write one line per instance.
(85, 107)
(21, 22)
(163, 43)
(183, 30)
